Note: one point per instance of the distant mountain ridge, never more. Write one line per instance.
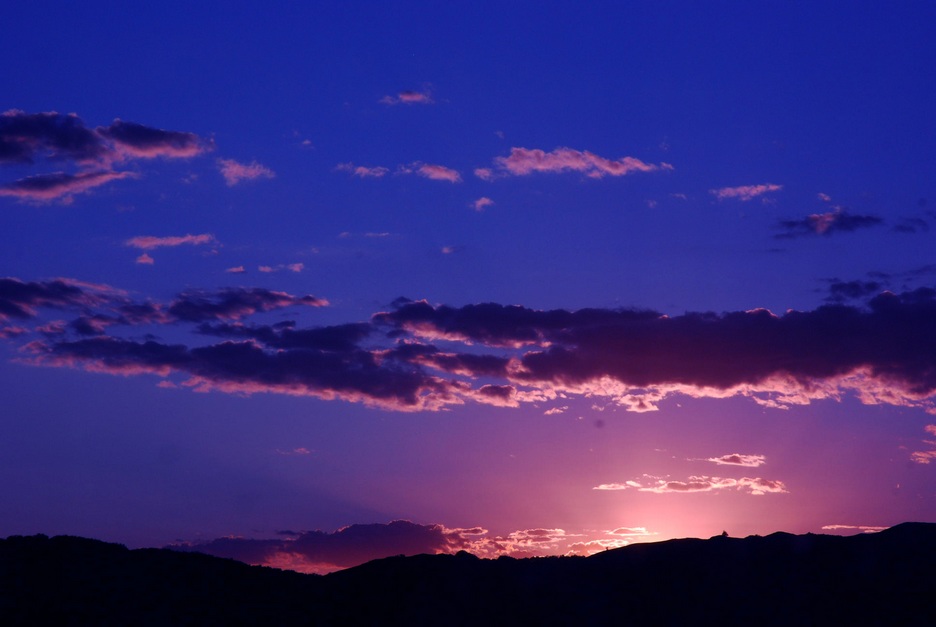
(883, 578)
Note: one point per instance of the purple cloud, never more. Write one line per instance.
(59, 185)
(25, 137)
(839, 221)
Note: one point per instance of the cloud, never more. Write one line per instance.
(236, 270)
(409, 98)
(838, 221)
(881, 353)
(524, 161)
(482, 203)
(234, 172)
(737, 459)
(841, 291)
(26, 137)
(323, 552)
(861, 528)
(431, 171)
(745, 193)
(145, 259)
(59, 185)
(639, 358)
(149, 242)
(20, 300)
(136, 141)
(234, 303)
(362, 171)
(753, 485)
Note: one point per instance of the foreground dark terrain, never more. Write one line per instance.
(884, 578)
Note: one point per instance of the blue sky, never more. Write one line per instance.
(202, 327)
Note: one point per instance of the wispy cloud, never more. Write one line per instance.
(861, 528)
(362, 171)
(145, 259)
(234, 172)
(409, 98)
(753, 485)
(524, 161)
(745, 193)
(431, 171)
(149, 242)
(737, 459)
(838, 221)
(59, 185)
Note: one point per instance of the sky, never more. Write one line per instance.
(307, 284)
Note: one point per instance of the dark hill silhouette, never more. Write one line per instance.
(883, 578)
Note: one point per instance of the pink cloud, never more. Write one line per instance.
(485, 174)
(754, 485)
(408, 98)
(481, 203)
(145, 259)
(431, 171)
(737, 459)
(745, 193)
(59, 186)
(234, 172)
(523, 161)
(861, 528)
(236, 270)
(362, 171)
(149, 242)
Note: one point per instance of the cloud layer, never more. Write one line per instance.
(323, 552)
(417, 356)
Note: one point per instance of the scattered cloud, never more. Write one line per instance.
(362, 171)
(737, 459)
(409, 98)
(149, 242)
(925, 457)
(745, 193)
(838, 221)
(524, 161)
(482, 203)
(485, 174)
(145, 259)
(234, 172)
(236, 270)
(431, 171)
(753, 485)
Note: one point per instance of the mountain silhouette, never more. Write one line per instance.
(780, 579)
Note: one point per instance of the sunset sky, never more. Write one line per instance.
(311, 283)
